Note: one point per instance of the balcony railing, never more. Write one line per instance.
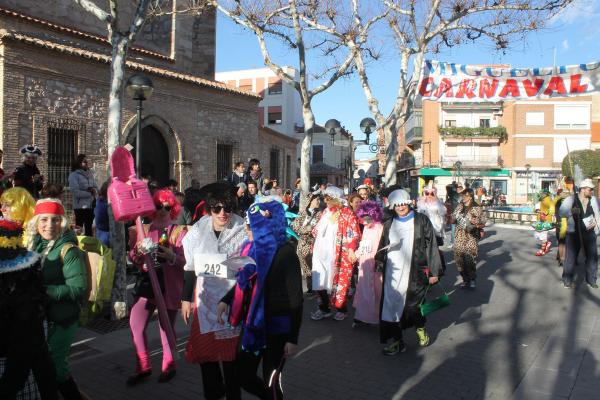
(498, 132)
(471, 161)
(415, 134)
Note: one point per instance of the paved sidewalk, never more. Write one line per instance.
(519, 335)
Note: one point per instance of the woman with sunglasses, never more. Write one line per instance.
(429, 204)
(217, 236)
(169, 259)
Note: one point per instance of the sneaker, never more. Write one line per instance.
(423, 337)
(464, 284)
(319, 315)
(394, 348)
(472, 285)
(568, 285)
(593, 285)
(340, 316)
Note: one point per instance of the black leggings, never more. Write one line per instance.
(271, 359)
(212, 380)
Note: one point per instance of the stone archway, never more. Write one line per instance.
(162, 152)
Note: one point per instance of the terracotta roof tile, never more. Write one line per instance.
(75, 51)
(75, 32)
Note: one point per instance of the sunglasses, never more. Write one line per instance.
(428, 192)
(163, 207)
(217, 209)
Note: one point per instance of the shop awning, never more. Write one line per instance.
(470, 173)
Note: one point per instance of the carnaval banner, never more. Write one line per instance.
(451, 82)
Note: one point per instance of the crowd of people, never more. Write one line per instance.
(233, 258)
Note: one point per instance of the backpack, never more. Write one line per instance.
(100, 273)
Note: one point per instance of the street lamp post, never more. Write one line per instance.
(366, 126)
(457, 167)
(527, 169)
(333, 126)
(139, 87)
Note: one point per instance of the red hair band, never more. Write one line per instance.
(49, 207)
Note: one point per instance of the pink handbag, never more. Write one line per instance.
(129, 196)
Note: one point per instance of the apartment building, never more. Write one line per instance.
(331, 160)
(279, 111)
(517, 147)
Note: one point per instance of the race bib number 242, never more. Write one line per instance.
(208, 264)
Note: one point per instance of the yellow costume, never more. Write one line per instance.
(546, 214)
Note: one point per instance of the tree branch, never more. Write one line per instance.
(138, 19)
(93, 9)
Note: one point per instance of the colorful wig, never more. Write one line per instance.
(166, 196)
(21, 204)
(370, 208)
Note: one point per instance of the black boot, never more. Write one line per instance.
(69, 390)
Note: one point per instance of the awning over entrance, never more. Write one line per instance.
(471, 173)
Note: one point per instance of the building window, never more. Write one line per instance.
(534, 118)
(275, 118)
(275, 87)
(274, 164)
(572, 116)
(450, 123)
(224, 160)
(317, 153)
(274, 115)
(534, 151)
(484, 122)
(62, 150)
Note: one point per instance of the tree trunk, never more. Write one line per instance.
(117, 230)
(309, 125)
(391, 154)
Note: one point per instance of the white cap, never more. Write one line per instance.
(398, 197)
(334, 192)
(587, 183)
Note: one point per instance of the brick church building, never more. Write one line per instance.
(54, 86)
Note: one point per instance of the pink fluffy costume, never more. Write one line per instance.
(367, 299)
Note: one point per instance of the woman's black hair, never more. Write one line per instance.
(104, 189)
(225, 196)
(252, 163)
(77, 162)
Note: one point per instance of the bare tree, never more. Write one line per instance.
(120, 41)
(422, 28)
(293, 23)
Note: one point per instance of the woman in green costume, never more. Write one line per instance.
(65, 278)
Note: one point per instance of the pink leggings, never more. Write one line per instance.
(141, 312)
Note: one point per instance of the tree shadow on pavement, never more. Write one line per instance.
(489, 349)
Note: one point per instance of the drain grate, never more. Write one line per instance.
(104, 326)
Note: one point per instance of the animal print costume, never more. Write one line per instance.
(469, 222)
(303, 226)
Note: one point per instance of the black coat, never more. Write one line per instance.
(425, 256)
(22, 338)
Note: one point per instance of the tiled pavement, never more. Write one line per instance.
(519, 335)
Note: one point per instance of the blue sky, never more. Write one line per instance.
(574, 34)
